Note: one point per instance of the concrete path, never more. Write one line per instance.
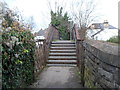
(58, 77)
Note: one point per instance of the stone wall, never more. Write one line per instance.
(102, 64)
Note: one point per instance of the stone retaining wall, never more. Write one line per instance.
(102, 64)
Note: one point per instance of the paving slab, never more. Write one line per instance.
(58, 77)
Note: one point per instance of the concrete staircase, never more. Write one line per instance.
(62, 53)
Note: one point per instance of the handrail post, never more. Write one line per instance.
(44, 50)
(82, 59)
(80, 52)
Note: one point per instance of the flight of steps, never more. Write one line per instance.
(62, 53)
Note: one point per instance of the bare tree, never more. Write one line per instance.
(83, 12)
(31, 23)
(54, 5)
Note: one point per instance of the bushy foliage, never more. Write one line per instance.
(18, 49)
(61, 22)
(114, 39)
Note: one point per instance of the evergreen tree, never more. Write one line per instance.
(61, 22)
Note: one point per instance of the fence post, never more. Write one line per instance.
(78, 52)
(79, 38)
(82, 59)
(44, 50)
(82, 34)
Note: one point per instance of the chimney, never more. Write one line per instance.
(106, 24)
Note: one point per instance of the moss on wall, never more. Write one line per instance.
(88, 78)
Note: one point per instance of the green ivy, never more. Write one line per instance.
(114, 39)
(18, 49)
(88, 78)
(18, 61)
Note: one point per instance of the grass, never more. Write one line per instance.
(114, 39)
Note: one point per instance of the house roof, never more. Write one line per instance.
(112, 27)
(41, 32)
(101, 26)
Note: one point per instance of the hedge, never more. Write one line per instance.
(18, 49)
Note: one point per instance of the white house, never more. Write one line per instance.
(101, 31)
(39, 35)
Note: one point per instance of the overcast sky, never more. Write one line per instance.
(39, 9)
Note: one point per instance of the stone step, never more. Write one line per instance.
(63, 42)
(64, 65)
(63, 48)
(62, 57)
(62, 54)
(63, 51)
(63, 45)
(62, 61)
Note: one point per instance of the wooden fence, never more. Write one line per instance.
(39, 56)
(79, 50)
(42, 49)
